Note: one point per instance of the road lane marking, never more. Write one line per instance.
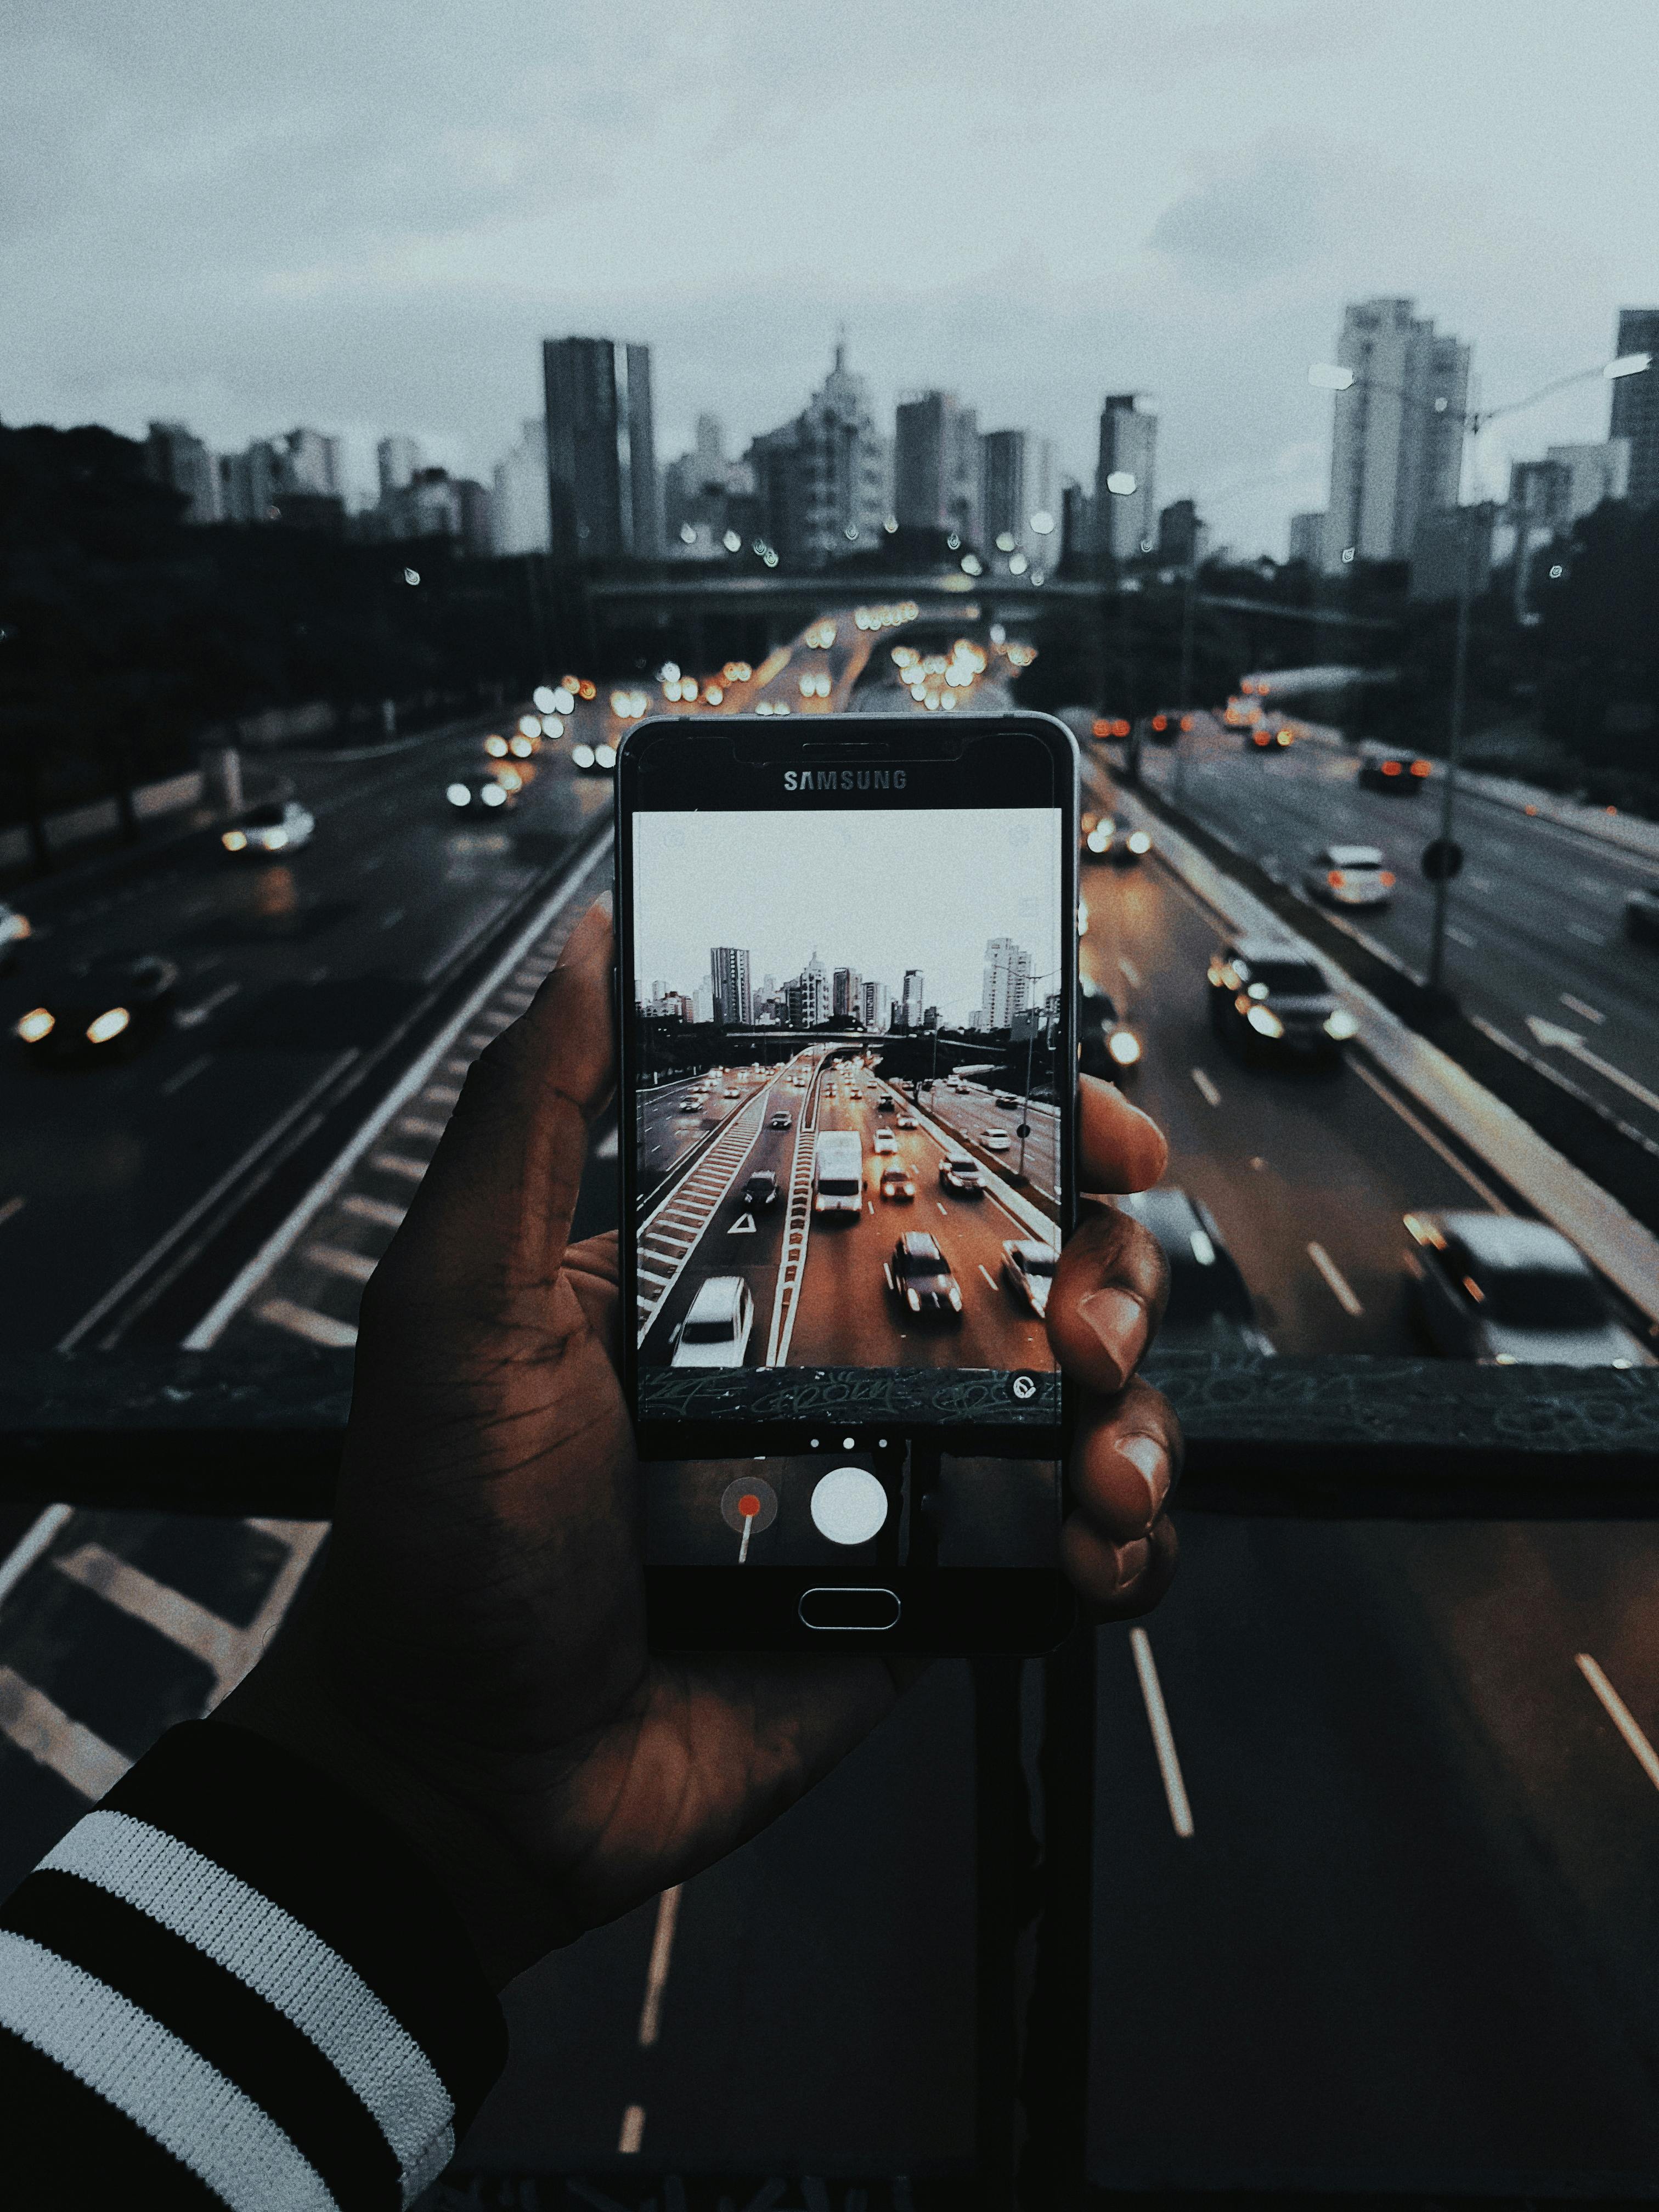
(192, 1017)
(47, 1735)
(34, 1540)
(1621, 1716)
(656, 1974)
(1579, 1006)
(1479, 882)
(1338, 1282)
(336, 1260)
(378, 1210)
(1584, 932)
(1129, 972)
(303, 1321)
(1157, 1719)
(1482, 1190)
(990, 1281)
(11, 1209)
(633, 2129)
(175, 1083)
(940, 1203)
(443, 1094)
(1461, 937)
(1206, 1090)
(399, 1163)
(1551, 1036)
(416, 1125)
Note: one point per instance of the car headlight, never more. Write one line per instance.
(605, 757)
(275, 840)
(582, 755)
(1265, 1022)
(1341, 1025)
(108, 1026)
(493, 795)
(235, 840)
(1099, 839)
(14, 927)
(36, 1026)
(1124, 1047)
(914, 1298)
(1141, 842)
(458, 794)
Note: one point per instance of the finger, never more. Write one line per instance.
(493, 1211)
(1125, 1463)
(1122, 1149)
(1118, 1581)
(1108, 1294)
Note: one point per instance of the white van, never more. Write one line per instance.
(838, 1172)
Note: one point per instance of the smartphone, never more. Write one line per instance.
(847, 983)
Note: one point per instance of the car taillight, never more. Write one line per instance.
(1390, 768)
(1421, 767)
(1336, 879)
(1386, 878)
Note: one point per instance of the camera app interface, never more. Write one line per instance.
(847, 1138)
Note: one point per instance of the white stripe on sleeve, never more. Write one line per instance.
(285, 1963)
(161, 2084)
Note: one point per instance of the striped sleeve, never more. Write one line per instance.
(232, 1985)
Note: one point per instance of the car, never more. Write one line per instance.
(480, 794)
(884, 1142)
(1028, 1268)
(13, 931)
(886, 1103)
(1350, 875)
(1006, 1098)
(1267, 741)
(759, 1191)
(1268, 999)
(907, 1120)
(855, 1092)
(1641, 914)
(996, 1140)
(101, 1009)
(959, 1172)
(282, 826)
(594, 760)
(1108, 840)
(1210, 1308)
(731, 1094)
(1509, 1292)
(897, 1181)
(716, 1328)
(1108, 1046)
(692, 1106)
(919, 1276)
(778, 1122)
(1400, 774)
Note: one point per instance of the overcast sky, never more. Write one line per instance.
(878, 892)
(364, 216)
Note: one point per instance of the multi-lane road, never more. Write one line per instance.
(1535, 930)
(1374, 1899)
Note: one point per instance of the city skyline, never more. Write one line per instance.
(215, 286)
(930, 891)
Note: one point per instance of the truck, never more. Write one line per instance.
(838, 1172)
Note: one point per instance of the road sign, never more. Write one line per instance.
(1443, 860)
(743, 1226)
(1022, 1128)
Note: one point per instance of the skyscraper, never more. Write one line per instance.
(877, 999)
(1308, 537)
(847, 995)
(911, 1002)
(396, 460)
(1007, 504)
(1126, 507)
(820, 482)
(936, 465)
(520, 508)
(1636, 404)
(603, 495)
(310, 463)
(1007, 982)
(1397, 443)
(728, 980)
(174, 458)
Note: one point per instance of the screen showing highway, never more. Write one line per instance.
(849, 1175)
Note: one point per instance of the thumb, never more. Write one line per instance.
(493, 1211)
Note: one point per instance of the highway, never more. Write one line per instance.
(1535, 930)
(1407, 1943)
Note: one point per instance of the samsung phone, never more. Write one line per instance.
(846, 954)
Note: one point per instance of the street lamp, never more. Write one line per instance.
(1336, 376)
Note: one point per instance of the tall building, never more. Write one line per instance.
(704, 495)
(728, 980)
(847, 995)
(878, 1000)
(1308, 537)
(911, 1002)
(176, 459)
(518, 510)
(1182, 538)
(1594, 472)
(1125, 518)
(1007, 983)
(1076, 525)
(1636, 404)
(396, 460)
(311, 465)
(936, 465)
(1006, 505)
(603, 495)
(1397, 444)
(248, 481)
(819, 483)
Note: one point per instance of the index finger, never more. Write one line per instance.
(1121, 1149)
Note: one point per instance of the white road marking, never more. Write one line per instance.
(1578, 1006)
(1337, 1280)
(399, 1163)
(1584, 932)
(29, 1548)
(940, 1203)
(416, 1125)
(193, 1017)
(301, 1320)
(374, 1209)
(11, 1209)
(1129, 972)
(662, 1949)
(989, 1278)
(45, 1732)
(1551, 1036)
(1621, 1716)
(633, 2128)
(335, 1260)
(1461, 937)
(442, 1094)
(1483, 1191)
(1478, 883)
(1158, 1717)
(392, 917)
(1206, 1090)
(188, 1075)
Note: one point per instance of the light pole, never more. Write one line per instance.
(1328, 376)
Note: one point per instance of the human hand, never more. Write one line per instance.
(474, 1659)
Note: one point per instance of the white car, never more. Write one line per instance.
(282, 827)
(908, 1121)
(716, 1328)
(1029, 1270)
(1512, 1293)
(996, 1140)
(1350, 875)
(14, 928)
(884, 1142)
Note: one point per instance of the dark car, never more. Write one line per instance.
(1210, 1308)
(102, 1009)
(759, 1191)
(1641, 914)
(778, 1122)
(1399, 773)
(886, 1103)
(481, 795)
(1108, 1046)
(1269, 1001)
(920, 1277)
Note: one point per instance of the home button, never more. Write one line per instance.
(850, 1608)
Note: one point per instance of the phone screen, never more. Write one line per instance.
(847, 994)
